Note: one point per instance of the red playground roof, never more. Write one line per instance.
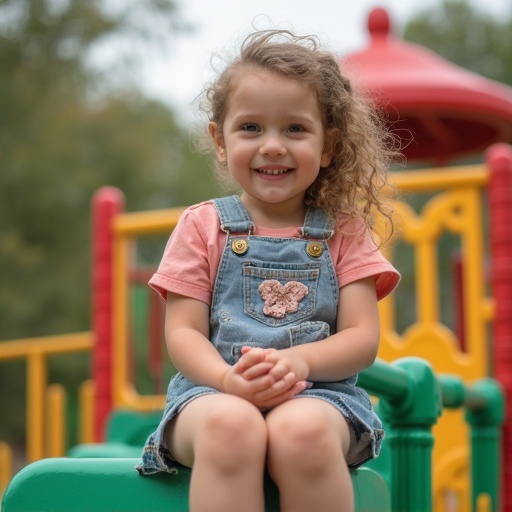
(449, 111)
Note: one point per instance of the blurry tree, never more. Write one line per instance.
(68, 127)
(467, 36)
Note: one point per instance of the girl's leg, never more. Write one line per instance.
(223, 439)
(307, 442)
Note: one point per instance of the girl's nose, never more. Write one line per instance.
(272, 146)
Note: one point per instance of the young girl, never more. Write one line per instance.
(272, 295)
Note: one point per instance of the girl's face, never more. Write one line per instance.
(272, 139)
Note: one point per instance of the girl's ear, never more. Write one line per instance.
(218, 141)
(328, 149)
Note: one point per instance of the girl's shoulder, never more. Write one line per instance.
(356, 256)
(205, 208)
(350, 226)
(198, 225)
(203, 214)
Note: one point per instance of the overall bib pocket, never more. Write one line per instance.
(279, 294)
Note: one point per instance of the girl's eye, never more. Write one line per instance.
(250, 127)
(295, 128)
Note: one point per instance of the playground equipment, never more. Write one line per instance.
(464, 468)
(116, 486)
(445, 399)
(411, 401)
(449, 111)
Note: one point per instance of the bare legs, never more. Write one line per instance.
(228, 441)
(224, 439)
(307, 442)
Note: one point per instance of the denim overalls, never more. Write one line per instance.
(273, 293)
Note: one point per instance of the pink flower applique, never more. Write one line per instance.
(280, 299)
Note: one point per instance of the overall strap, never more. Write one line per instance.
(233, 215)
(317, 225)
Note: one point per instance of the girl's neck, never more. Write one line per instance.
(275, 215)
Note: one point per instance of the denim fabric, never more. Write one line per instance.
(237, 319)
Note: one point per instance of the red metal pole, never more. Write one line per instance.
(106, 203)
(499, 160)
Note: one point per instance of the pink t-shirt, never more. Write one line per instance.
(192, 255)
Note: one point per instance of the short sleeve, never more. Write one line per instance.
(356, 256)
(185, 267)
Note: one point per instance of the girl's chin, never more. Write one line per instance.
(276, 197)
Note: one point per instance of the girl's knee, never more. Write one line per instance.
(310, 441)
(232, 431)
(308, 435)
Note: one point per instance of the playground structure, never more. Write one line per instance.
(463, 470)
(450, 111)
(443, 410)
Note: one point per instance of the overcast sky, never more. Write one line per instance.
(220, 25)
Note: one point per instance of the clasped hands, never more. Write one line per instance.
(266, 377)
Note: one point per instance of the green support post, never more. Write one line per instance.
(410, 420)
(486, 418)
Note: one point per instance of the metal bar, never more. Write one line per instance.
(36, 385)
(60, 344)
(385, 381)
(428, 180)
(146, 223)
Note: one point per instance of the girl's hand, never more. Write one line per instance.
(263, 388)
(256, 362)
(286, 361)
(252, 363)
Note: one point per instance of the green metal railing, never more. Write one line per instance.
(412, 398)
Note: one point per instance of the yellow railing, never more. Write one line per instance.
(125, 227)
(45, 405)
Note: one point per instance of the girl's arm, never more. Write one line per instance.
(186, 333)
(352, 349)
(187, 336)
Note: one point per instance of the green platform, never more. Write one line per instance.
(125, 435)
(113, 485)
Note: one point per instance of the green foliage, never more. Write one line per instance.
(65, 131)
(466, 36)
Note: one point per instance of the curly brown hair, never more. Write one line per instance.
(354, 181)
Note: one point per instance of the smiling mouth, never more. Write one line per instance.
(273, 172)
